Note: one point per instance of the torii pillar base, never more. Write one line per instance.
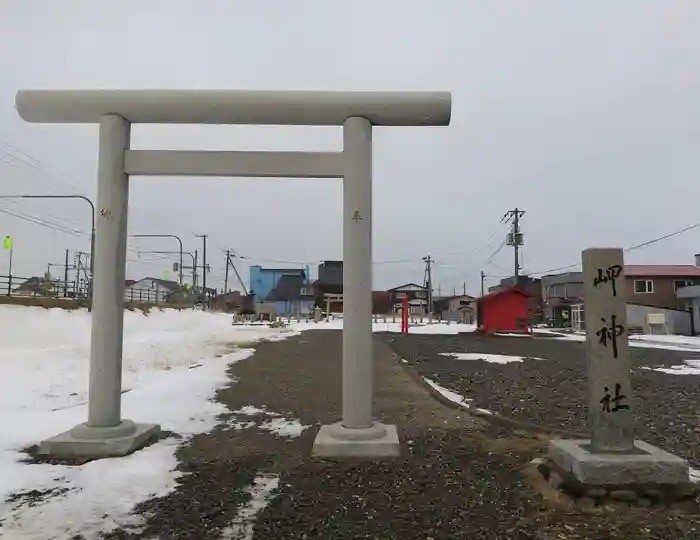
(84, 441)
(377, 441)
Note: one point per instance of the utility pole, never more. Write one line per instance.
(464, 288)
(429, 281)
(194, 274)
(204, 263)
(65, 277)
(80, 267)
(228, 254)
(483, 276)
(205, 269)
(48, 278)
(515, 237)
(230, 262)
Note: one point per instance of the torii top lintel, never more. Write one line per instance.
(255, 107)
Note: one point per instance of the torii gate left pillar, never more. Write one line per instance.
(106, 433)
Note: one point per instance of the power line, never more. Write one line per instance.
(316, 261)
(472, 253)
(631, 248)
(35, 164)
(146, 261)
(42, 222)
(664, 237)
(498, 250)
(497, 266)
(32, 174)
(49, 224)
(17, 205)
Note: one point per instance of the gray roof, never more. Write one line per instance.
(32, 284)
(420, 287)
(288, 288)
(166, 284)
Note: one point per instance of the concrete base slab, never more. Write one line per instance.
(377, 441)
(99, 442)
(648, 465)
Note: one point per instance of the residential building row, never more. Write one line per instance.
(654, 293)
(657, 292)
(291, 290)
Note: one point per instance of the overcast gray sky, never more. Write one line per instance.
(585, 114)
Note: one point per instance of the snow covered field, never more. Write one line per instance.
(380, 326)
(173, 363)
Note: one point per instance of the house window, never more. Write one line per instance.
(643, 286)
(680, 283)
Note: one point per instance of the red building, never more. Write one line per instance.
(503, 311)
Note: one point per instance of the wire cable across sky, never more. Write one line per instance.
(631, 248)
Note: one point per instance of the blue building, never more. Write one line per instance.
(288, 288)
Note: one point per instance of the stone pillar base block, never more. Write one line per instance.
(337, 441)
(646, 465)
(84, 441)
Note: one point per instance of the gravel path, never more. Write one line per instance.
(553, 391)
(458, 477)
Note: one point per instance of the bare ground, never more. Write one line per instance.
(458, 477)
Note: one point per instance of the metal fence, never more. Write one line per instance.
(22, 287)
(146, 296)
(18, 286)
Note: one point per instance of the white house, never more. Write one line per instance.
(150, 291)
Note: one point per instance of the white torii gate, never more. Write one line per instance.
(106, 433)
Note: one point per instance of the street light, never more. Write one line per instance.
(92, 231)
(164, 236)
(194, 263)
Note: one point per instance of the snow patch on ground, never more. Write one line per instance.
(694, 475)
(277, 424)
(238, 426)
(490, 358)
(455, 397)
(689, 367)
(261, 492)
(669, 343)
(252, 410)
(44, 354)
(284, 427)
(673, 343)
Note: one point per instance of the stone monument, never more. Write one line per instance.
(612, 459)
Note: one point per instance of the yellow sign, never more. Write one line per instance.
(7, 242)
